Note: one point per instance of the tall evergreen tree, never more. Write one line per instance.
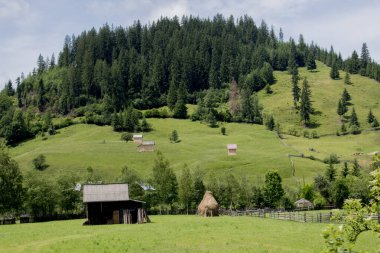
(347, 79)
(364, 59)
(305, 106)
(334, 71)
(354, 118)
(185, 191)
(310, 61)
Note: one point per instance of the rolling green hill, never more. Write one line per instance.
(77, 147)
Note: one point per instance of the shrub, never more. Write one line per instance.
(293, 131)
(39, 163)
(126, 137)
(306, 134)
(223, 130)
(314, 135)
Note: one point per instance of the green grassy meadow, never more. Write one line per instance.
(172, 234)
(79, 146)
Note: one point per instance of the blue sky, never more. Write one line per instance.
(31, 27)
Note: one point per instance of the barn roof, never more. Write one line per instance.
(105, 192)
(231, 146)
(303, 201)
(147, 143)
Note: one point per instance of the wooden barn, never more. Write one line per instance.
(110, 204)
(231, 149)
(137, 138)
(146, 146)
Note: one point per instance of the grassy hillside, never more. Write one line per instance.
(365, 94)
(172, 234)
(79, 146)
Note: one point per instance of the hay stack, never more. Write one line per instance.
(208, 205)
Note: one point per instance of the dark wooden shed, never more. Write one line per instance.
(110, 204)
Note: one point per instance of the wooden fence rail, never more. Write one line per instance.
(315, 217)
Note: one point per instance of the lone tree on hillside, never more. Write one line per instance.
(347, 79)
(371, 119)
(39, 162)
(174, 136)
(310, 61)
(305, 105)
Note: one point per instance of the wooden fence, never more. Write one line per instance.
(316, 217)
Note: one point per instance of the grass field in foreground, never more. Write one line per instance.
(171, 234)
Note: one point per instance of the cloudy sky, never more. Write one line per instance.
(31, 27)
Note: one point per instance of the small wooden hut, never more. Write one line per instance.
(303, 203)
(231, 149)
(110, 204)
(208, 206)
(137, 138)
(146, 146)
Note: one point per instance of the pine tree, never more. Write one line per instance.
(330, 173)
(364, 59)
(305, 105)
(342, 108)
(354, 119)
(375, 123)
(346, 97)
(345, 171)
(370, 117)
(334, 71)
(310, 61)
(295, 88)
(355, 168)
(347, 79)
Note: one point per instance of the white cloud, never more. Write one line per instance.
(171, 9)
(13, 9)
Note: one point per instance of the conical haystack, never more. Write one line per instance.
(208, 205)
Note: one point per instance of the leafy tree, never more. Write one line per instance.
(145, 126)
(305, 105)
(340, 192)
(198, 186)
(126, 137)
(39, 162)
(307, 192)
(69, 196)
(131, 177)
(273, 191)
(185, 191)
(42, 195)
(164, 180)
(322, 185)
(174, 136)
(10, 183)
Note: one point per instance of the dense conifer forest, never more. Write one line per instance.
(172, 62)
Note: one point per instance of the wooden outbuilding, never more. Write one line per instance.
(137, 138)
(231, 149)
(146, 146)
(303, 203)
(110, 204)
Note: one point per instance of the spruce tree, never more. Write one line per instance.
(375, 123)
(310, 61)
(345, 97)
(355, 168)
(370, 117)
(305, 105)
(354, 118)
(295, 88)
(345, 171)
(334, 71)
(347, 79)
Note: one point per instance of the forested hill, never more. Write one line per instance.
(146, 65)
